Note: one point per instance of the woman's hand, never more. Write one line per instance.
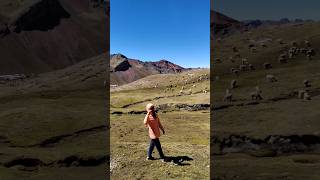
(163, 131)
(145, 121)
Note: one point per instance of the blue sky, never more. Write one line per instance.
(270, 9)
(150, 30)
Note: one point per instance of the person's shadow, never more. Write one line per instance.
(178, 160)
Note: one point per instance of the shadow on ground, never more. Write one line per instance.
(178, 160)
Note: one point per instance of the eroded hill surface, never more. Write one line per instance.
(44, 35)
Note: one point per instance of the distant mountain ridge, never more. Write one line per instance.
(257, 22)
(124, 70)
(222, 25)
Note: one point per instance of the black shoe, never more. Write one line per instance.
(150, 158)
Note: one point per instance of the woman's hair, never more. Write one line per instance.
(152, 110)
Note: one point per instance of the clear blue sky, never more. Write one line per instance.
(150, 30)
(268, 9)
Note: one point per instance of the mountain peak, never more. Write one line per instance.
(118, 56)
(164, 61)
(119, 62)
(125, 70)
(221, 23)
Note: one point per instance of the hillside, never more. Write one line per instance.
(182, 102)
(53, 124)
(221, 24)
(263, 138)
(44, 35)
(65, 136)
(124, 70)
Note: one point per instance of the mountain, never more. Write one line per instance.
(44, 35)
(124, 70)
(221, 24)
(256, 23)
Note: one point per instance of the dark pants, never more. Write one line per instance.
(155, 142)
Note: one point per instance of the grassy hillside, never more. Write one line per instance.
(53, 126)
(187, 131)
(268, 138)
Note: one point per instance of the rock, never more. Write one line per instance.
(119, 62)
(4, 30)
(24, 168)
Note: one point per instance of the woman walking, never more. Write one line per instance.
(152, 121)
